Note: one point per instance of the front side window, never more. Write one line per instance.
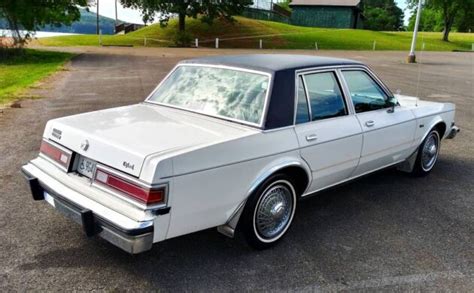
(366, 94)
(325, 96)
(223, 92)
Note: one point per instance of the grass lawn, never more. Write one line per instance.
(274, 35)
(19, 72)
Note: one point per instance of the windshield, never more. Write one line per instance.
(223, 92)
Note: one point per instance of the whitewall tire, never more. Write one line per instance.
(269, 212)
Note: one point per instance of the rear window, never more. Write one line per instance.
(222, 92)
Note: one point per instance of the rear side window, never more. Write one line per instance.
(302, 111)
(325, 96)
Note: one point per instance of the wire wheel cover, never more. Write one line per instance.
(430, 152)
(274, 211)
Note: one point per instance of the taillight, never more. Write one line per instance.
(57, 154)
(146, 195)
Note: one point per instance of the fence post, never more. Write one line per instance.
(144, 42)
(196, 42)
(217, 43)
(261, 44)
(374, 46)
(100, 37)
(316, 46)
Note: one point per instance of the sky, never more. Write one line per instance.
(402, 4)
(107, 8)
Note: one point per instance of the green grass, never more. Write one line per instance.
(282, 36)
(18, 72)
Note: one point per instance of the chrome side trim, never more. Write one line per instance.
(391, 125)
(266, 102)
(351, 178)
(331, 140)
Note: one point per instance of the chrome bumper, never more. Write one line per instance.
(133, 241)
(453, 132)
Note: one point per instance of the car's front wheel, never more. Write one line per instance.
(269, 212)
(427, 154)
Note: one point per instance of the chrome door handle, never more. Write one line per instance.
(369, 123)
(311, 137)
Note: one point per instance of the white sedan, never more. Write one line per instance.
(231, 142)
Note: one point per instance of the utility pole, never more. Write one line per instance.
(116, 18)
(98, 28)
(412, 56)
(116, 14)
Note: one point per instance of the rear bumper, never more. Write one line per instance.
(131, 239)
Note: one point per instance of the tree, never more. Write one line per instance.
(431, 20)
(465, 19)
(30, 15)
(450, 10)
(382, 15)
(207, 9)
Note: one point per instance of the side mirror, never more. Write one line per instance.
(391, 106)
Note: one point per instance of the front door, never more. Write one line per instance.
(330, 137)
(389, 129)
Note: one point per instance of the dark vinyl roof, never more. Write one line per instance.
(271, 62)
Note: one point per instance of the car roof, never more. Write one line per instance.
(271, 62)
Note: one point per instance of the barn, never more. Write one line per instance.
(327, 13)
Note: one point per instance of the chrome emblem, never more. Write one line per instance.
(57, 133)
(85, 145)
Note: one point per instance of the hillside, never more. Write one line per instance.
(86, 25)
(245, 33)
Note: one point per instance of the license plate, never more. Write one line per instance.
(86, 166)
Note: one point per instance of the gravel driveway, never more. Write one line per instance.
(385, 231)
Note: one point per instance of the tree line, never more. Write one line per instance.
(444, 16)
(32, 15)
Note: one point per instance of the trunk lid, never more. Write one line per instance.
(123, 137)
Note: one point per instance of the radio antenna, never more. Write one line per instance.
(419, 69)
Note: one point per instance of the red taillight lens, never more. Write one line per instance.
(56, 154)
(146, 195)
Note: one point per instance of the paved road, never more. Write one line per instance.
(386, 231)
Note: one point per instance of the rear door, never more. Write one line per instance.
(389, 129)
(328, 132)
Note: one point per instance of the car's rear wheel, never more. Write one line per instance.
(269, 212)
(428, 153)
